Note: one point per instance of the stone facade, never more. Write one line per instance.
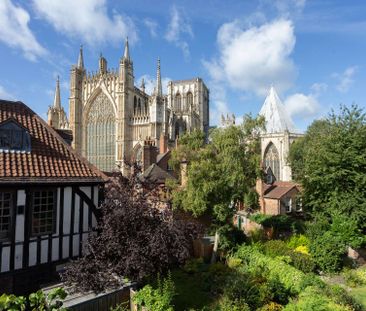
(279, 134)
(112, 119)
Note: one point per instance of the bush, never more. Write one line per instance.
(226, 304)
(233, 262)
(355, 277)
(230, 237)
(298, 240)
(302, 262)
(193, 265)
(272, 306)
(328, 251)
(276, 248)
(275, 268)
(157, 299)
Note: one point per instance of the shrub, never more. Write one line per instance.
(355, 277)
(193, 265)
(230, 237)
(302, 262)
(226, 304)
(276, 248)
(275, 268)
(298, 240)
(157, 299)
(302, 249)
(272, 306)
(328, 251)
(233, 262)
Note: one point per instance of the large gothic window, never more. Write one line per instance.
(101, 134)
(272, 160)
(189, 100)
(178, 102)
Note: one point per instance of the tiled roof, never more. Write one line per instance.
(50, 158)
(278, 189)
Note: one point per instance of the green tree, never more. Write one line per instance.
(221, 173)
(331, 159)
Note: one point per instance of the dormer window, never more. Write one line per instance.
(13, 137)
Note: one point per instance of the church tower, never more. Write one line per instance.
(279, 134)
(56, 115)
(75, 102)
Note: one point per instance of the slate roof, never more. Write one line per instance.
(50, 159)
(155, 174)
(275, 114)
(278, 189)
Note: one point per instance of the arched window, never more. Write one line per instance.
(137, 155)
(180, 128)
(178, 102)
(146, 108)
(139, 112)
(189, 100)
(101, 134)
(134, 105)
(272, 160)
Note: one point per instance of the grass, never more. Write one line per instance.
(190, 289)
(359, 293)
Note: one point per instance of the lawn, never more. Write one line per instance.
(359, 293)
(190, 288)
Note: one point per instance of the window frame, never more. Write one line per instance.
(54, 211)
(12, 214)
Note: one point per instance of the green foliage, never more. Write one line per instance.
(297, 240)
(274, 248)
(12, 302)
(230, 237)
(355, 277)
(120, 307)
(280, 223)
(38, 301)
(220, 173)
(227, 304)
(328, 251)
(193, 265)
(330, 163)
(157, 299)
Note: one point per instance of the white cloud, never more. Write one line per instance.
(251, 59)
(87, 20)
(15, 31)
(152, 26)
(319, 88)
(302, 105)
(178, 30)
(150, 83)
(345, 79)
(289, 7)
(4, 94)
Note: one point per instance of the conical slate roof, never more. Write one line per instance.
(274, 112)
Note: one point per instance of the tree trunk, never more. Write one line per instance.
(215, 248)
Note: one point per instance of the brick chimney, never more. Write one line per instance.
(163, 143)
(149, 155)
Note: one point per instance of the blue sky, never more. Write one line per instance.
(313, 52)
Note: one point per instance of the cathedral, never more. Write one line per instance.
(112, 120)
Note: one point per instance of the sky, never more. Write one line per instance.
(312, 51)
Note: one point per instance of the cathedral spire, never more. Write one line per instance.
(142, 87)
(159, 91)
(126, 54)
(57, 99)
(81, 59)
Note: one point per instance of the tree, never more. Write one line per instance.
(134, 240)
(221, 173)
(331, 165)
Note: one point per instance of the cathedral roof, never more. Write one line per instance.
(45, 157)
(276, 117)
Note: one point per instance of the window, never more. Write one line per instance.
(43, 212)
(101, 134)
(272, 160)
(14, 137)
(6, 202)
(288, 205)
(178, 102)
(189, 100)
(298, 207)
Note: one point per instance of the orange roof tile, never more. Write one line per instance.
(50, 158)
